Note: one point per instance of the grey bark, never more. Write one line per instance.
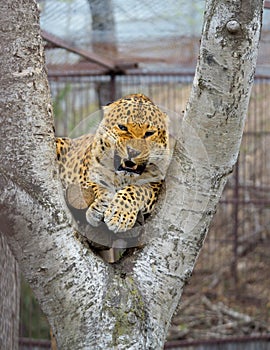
(91, 304)
(10, 297)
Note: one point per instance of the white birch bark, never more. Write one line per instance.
(89, 303)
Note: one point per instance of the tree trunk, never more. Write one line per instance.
(103, 27)
(10, 298)
(91, 304)
(104, 43)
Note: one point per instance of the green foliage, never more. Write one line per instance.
(33, 323)
(59, 99)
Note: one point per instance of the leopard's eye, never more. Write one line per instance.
(122, 127)
(149, 133)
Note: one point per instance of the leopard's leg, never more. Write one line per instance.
(95, 212)
(122, 211)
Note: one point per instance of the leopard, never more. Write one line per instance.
(124, 163)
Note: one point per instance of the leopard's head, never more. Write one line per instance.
(133, 138)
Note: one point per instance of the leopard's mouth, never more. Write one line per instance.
(128, 165)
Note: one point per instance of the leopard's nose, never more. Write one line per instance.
(132, 153)
(129, 164)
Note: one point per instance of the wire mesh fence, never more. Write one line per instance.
(75, 98)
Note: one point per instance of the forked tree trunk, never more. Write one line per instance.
(89, 303)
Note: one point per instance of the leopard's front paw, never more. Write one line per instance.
(119, 217)
(95, 213)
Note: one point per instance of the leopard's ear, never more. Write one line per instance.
(62, 146)
(106, 109)
(108, 105)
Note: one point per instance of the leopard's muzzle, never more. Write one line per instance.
(128, 165)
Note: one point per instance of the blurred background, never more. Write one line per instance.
(100, 50)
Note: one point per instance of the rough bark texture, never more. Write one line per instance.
(10, 298)
(91, 304)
